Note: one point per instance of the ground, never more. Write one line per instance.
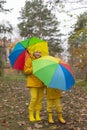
(14, 98)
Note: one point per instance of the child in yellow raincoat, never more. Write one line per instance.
(36, 88)
(54, 99)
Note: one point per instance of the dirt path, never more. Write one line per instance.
(14, 97)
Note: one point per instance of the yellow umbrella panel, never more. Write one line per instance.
(41, 46)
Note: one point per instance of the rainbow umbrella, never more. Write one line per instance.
(53, 72)
(24, 49)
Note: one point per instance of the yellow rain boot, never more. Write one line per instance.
(38, 116)
(61, 118)
(31, 116)
(50, 119)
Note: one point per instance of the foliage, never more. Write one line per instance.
(81, 55)
(78, 45)
(80, 59)
(79, 35)
(3, 30)
(6, 28)
(37, 20)
(2, 9)
(1, 63)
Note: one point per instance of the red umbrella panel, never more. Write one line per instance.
(17, 57)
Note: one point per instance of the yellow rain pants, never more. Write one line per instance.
(54, 103)
(36, 95)
(53, 99)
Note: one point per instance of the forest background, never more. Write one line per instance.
(63, 24)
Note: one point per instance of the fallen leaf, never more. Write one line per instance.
(29, 128)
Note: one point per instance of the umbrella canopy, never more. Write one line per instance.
(36, 44)
(53, 72)
(26, 47)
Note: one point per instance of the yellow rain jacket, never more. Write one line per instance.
(53, 93)
(32, 81)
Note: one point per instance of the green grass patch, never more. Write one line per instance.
(13, 77)
(81, 83)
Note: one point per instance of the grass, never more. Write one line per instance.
(81, 83)
(13, 77)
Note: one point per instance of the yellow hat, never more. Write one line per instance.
(39, 47)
